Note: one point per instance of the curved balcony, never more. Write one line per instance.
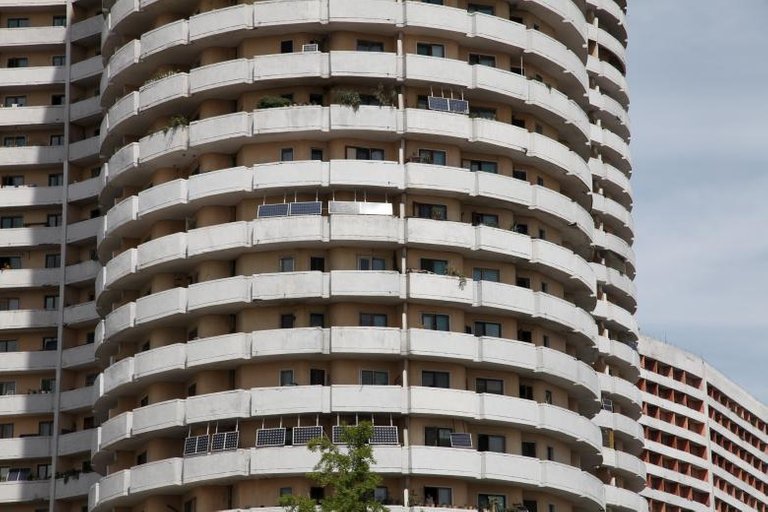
(86, 189)
(77, 442)
(623, 500)
(622, 392)
(613, 213)
(88, 70)
(616, 317)
(628, 467)
(628, 430)
(610, 79)
(682, 503)
(610, 113)
(613, 148)
(128, 486)
(236, 349)
(622, 355)
(87, 28)
(619, 286)
(613, 180)
(611, 242)
(609, 42)
(235, 23)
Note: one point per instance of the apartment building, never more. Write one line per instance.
(231, 226)
(706, 442)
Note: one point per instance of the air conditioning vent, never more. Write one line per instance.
(313, 47)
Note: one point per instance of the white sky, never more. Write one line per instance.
(698, 76)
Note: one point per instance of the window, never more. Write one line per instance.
(141, 458)
(287, 321)
(59, 21)
(285, 491)
(540, 181)
(523, 282)
(316, 377)
(436, 436)
(15, 141)
(286, 264)
(430, 211)
(45, 428)
(18, 22)
(90, 337)
(12, 181)
(438, 496)
(9, 346)
(15, 474)
(191, 505)
(492, 386)
(53, 220)
(433, 379)
(485, 219)
(481, 166)
(371, 263)
(58, 60)
(6, 430)
(548, 396)
(482, 9)
(521, 228)
(550, 453)
(16, 221)
(542, 234)
(286, 378)
(369, 46)
(18, 62)
(374, 377)
(435, 322)
(47, 385)
(7, 388)
(52, 260)
(356, 153)
(516, 121)
(373, 320)
(526, 391)
(525, 335)
(545, 340)
(317, 494)
(434, 266)
(551, 508)
(50, 343)
(18, 101)
(486, 274)
(43, 471)
(431, 50)
(315, 153)
(51, 302)
(434, 2)
(10, 304)
(286, 155)
(490, 443)
(316, 320)
(432, 156)
(491, 329)
(544, 287)
(317, 263)
(286, 46)
(57, 99)
(90, 379)
(144, 401)
(483, 113)
(57, 140)
(531, 505)
(482, 60)
(381, 494)
(10, 262)
(518, 70)
(528, 449)
(55, 180)
(492, 502)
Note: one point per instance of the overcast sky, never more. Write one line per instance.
(698, 75)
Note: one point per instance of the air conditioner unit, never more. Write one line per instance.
(312, 47)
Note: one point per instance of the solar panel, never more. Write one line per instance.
(336, 434)
(273, 210)
(306, 208)
(221, 441)
(461, 440)
(270, 437)
(195, 445)
(384, 434)
(343, 207)
(302, 435)
(458, 106)
(438, 103)
(375, 208)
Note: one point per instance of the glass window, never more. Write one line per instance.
(286, 378)
(286, 46)
(523, 282)
(45, 428)
(47, 385)
(59, 21)
(7, 388)
(10, 262)
(18, 22)
(528, 449)
(55, 180)
(548, 396)
(58, 60)
(51, 302)
(10, 304)
(433, 379)
(485, 219)
(486, 274)
(493, 386)
(18, 62)
(520, 175)
(492, 329)
(434, 2)
(15, 141)
(373, 320)
(50, 343)
(316, 377)
(18, 474)
(430, 211)
(374, 377)
(369, 46)
(521, 228)
(287, 321)
(12, 181)
(316, 320)
(550, 453)
(492, 502)
(483, 113)
(315, 153)
(432, 156)
(356, 153)
(287, 264)
(482, 9)
(526, 391)
(381, 494)
(57, 140)
(15, 101)
(434, 266)
(317, 263)
(482, 60)
(431, 50)
(481, 166)
(53, 220)
(52, 260)
(6, 430)
(9, 346)
(371, 263)
(57, 99)
(438, 496)
(286, 155)
(437, 436)
(435, 322)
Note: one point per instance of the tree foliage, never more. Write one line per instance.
(346, 470)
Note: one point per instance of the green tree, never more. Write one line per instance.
(346, 470)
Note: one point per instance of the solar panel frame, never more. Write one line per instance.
(302, 435)
(305, 208)
(232, 440)
(385, 434)
(343, 208)
(461, 440)
(438, 103)
(272, 210)
(223, 441)
(458, 106)
(336, 434)
(195, 445)
(268, 437)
